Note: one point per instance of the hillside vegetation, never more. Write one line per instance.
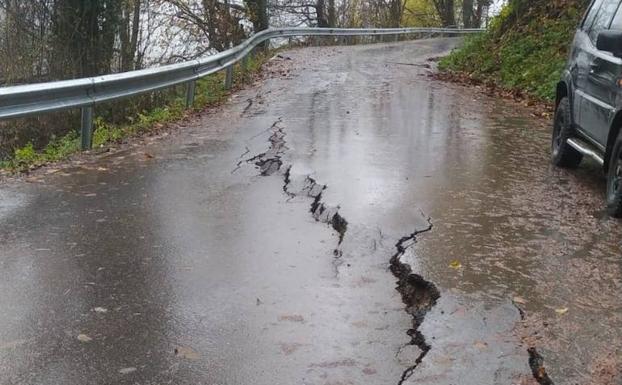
(525, 48)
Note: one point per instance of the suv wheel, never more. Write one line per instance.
(614, 179)
(563, 154)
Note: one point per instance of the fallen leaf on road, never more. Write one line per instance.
(455, 264)
(288, 349)
(561, 311)
(369, 371)
(292, 318)
(480, 345)
(84, 338)
(520, 300)
(186, 352)
(100, 310)
(127, 370)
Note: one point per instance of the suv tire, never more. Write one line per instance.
(563, 154)
(614, 179)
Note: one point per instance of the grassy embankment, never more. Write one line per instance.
(525, 49)
(170, 106)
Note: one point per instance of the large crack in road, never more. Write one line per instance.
(418, 294)
(536, 363)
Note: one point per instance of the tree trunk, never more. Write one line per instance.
(332, 14)
(258, 14)
(135, 34)
(395, 13)
(83, 38)
(446, 12)
(479, 12)
(467, 13)
(320, 11)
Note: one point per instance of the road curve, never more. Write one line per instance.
(261, 243)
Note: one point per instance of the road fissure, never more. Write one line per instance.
(418, 294)
(536, 363)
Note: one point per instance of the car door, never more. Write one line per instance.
(598, 85)
(604, 83)
(579, 59)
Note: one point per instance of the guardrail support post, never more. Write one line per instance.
(245, 63)
(229, 77)
(190, 88)
(86, 129)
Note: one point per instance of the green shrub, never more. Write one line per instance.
(26, 155)
(524, 49)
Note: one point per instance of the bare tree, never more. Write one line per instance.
(318, 13)
(472, 12)
(212, 22)
(258, 14)
(446, 12)
(83, 37)
(129, 32)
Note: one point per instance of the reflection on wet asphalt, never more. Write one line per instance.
(178, 263)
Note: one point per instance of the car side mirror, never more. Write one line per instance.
(610, 41)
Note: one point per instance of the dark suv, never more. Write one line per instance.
(588, 114)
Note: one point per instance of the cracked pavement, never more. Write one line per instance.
(355, 222)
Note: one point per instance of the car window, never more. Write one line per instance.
(617, 20)
(591, 14)
(603, 18)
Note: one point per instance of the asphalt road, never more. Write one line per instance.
(261, 243)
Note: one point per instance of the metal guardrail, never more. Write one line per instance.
(34, 99)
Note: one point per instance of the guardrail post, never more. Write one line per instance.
(190, 88)
(86, 129)
(229, 77)
(246, 65)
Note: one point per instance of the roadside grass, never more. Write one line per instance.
(524, 50)
(210, 91)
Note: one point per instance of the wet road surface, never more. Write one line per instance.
(262, 243)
